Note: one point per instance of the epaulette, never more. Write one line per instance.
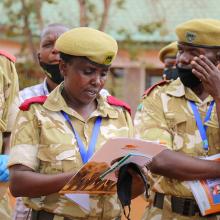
(8, 55)
(28, 102)
(114, 101)
(160, 83)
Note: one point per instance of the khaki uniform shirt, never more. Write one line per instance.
(8, 92)
(166, 115)
(43, 141)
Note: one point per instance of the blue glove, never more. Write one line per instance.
(4, 173)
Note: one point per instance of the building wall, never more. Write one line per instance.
(139, 74)
(10, 46)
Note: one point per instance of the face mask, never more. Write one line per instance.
(124, 185)
(53, 71)
(170, 73)
(188, 78)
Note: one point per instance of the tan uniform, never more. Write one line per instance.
(43, 141)
(8, 91)
(166, 115)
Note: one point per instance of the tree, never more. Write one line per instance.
(88, 13)
(24, 20)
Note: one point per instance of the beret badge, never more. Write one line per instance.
(190, 37)
(108, 59)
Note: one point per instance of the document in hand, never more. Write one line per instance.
(137, 158)
(207, 192)
(87, 180)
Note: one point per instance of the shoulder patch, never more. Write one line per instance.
(28, 102)
(8, 55)
(150, 89)
(114, 101)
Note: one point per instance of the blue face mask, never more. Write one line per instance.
(187, 77)
(53, 72)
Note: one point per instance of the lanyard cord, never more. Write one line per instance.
(202, 128)
(85, 155)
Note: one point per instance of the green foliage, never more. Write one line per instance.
(29, 74)
(120, 4)
(150, 28)
(25, 22)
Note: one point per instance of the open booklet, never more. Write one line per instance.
(97, 176)
(132, 157)
(207, 192)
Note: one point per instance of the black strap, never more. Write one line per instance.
(182, 206)
(43, 215)
(124, 185)
(158, 200)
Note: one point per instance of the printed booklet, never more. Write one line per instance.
(207, 192)
(97, 176)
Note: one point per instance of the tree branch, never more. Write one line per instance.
(104, 17)
(82, 13)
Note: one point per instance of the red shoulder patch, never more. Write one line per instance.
(8, 55)
(27, 103)
(114, 101)
(148, 91)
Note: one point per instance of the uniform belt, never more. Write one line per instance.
(43, 215)
(182, 206)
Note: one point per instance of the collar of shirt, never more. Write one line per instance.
(45, 87)
(177, 89)
(55, 102)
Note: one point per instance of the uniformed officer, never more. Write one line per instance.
(8, 91)
(51, 131)
(185, 115)
(167, 56)
(49, 61)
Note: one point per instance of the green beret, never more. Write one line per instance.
(96, 45)
(169, 50)
(200, 32)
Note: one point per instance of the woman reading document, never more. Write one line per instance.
(55, 135)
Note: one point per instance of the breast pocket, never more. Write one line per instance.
(214, 140)
(58, 158)
(177, 124)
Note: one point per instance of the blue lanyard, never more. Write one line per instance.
(85, 155)
(202, 128)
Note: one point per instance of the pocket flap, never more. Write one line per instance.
(56, 152)
(174, 118)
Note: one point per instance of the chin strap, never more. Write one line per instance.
(124, 185)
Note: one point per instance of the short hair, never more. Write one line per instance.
(45, 29)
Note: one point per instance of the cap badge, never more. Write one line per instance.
(108, 60)
(190, 37)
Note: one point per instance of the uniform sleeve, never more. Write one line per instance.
(149, 121)
(130, 123)
(25, 140)
(8, 91)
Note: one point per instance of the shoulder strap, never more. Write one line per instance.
(114, 101)
(28, 102)
(8, 55)
(150, 89)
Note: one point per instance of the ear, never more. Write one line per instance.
(38, 56)
(218, 57)
(63, 68)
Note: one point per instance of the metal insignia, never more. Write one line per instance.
(190, 37)
(108, 60)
